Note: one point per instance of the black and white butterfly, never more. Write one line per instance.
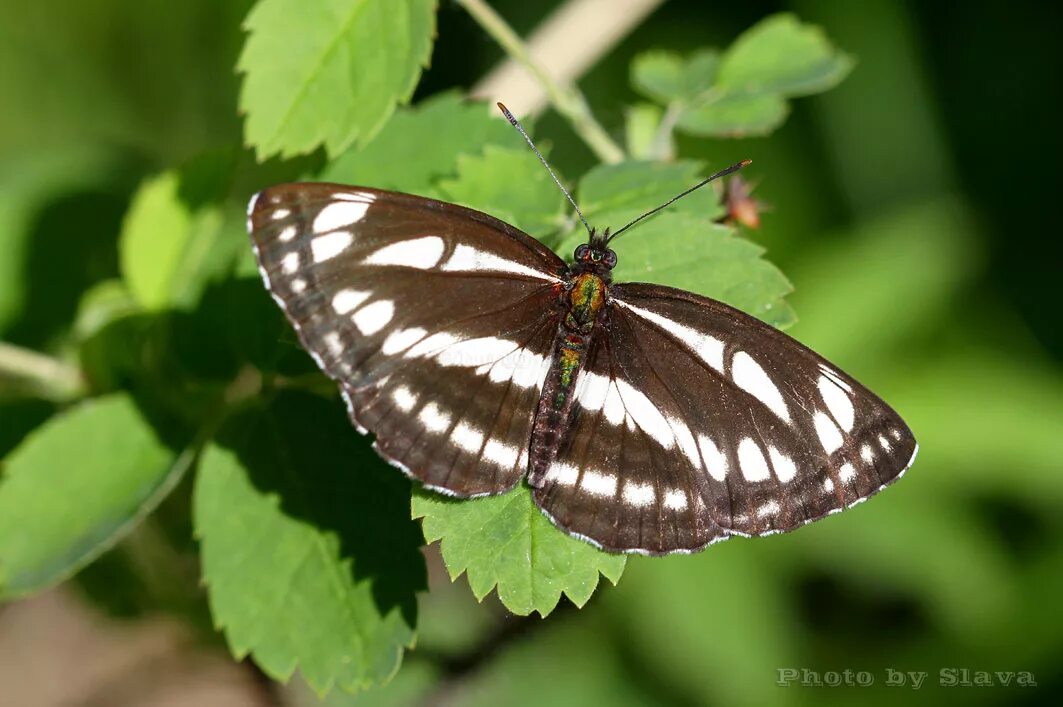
(644, 418)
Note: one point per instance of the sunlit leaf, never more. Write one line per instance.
(735, 115)
(421, 144)
(510, 184)
(505, 542)
(329, 73)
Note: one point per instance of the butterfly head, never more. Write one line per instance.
(595, 255)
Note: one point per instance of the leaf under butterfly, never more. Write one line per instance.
(421, 144)
(681, 246)
(311, 560)
(329, 73)
(506, 543)
(486, 182)
(74, 487)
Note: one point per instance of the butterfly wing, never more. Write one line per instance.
(437, 322)
(696, 422)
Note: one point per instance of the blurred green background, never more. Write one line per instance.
(911, 208)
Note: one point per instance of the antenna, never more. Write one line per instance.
(699, 185)
(516, 124)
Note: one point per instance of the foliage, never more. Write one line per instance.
(124, 266)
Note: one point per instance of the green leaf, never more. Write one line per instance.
(782, 55)
(505, 542)
(735, 115)
(329, 73)
(74, 487)
(641, 123)
(487, 183)
(168, 253)
(154, 234)
(680, 247)
(421, 144)
(667, 77)
(744, 92)
(309, 554)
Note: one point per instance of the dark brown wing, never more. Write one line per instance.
(696, 422)
(436, 320)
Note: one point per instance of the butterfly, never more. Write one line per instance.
(643, 418)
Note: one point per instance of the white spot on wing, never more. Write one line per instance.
(287, 234)
(751, 461)
(562, 474)
(404, 399)
(348, 300)
(373, 317)
(715, 461)
(434, 419)
(838, 402)
(330, 245)
(750, 377)
(471, 353)
(708, 348)
(468, 259)
(828, 433)
(828, 485)
(422, 253)
(290, 263)
(770, 508)
(675, 499)
(645, 414)
(846, 473)
(591, 390)
(500, 453)
(884, 443)
(467, 437)
(783, 465)
(339, 214)
(867, 453)
(401, 339)
(639, 495)
(432, 345)
(835, 377)
(278, 214)
(598, 484)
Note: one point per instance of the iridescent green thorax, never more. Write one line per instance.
(585, 301)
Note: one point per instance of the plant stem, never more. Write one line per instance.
(566, 99)
(52, 377)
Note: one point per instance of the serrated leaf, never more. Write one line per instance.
(309, 554)
(329, 73)
(506, 543)
(782, 55)
(735, 116)
(74, 487)
(168, 253)
(510, 184)
(421, 144)
(680, 247)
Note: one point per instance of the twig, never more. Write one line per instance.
(50, 376)
(566, 99)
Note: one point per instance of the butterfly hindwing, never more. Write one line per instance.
(437, 322)
(695, 422)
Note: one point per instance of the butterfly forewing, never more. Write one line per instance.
(437, 321)
(696, 422)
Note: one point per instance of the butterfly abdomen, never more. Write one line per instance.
(575, 335)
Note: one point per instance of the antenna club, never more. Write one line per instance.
(743, 163)
(505, 112)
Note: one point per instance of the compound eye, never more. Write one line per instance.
(581, 252)
(610, 259)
